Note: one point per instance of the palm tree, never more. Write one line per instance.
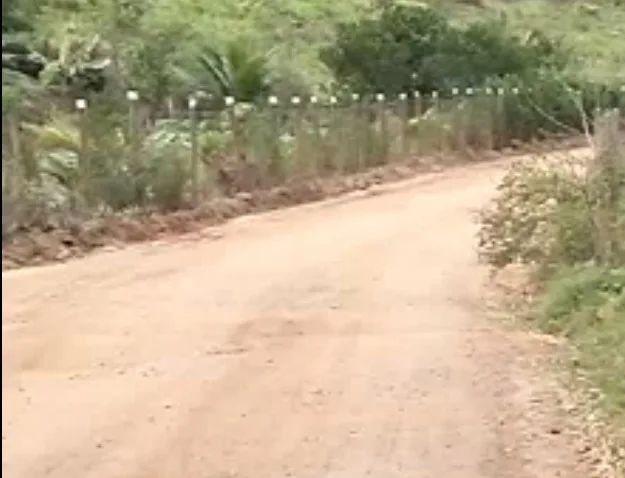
(234, 71)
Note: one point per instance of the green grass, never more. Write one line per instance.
(587, 305)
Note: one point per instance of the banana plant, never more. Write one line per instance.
(79, 64)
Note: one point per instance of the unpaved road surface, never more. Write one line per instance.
(342, 339)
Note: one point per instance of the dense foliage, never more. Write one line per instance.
(82, 47)
(417, 47)
(114, 156)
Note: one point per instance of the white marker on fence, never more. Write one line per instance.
(500, 91)
(132, 95)
(81, 104)
(416, 94)
(273, 100)
(333, 100)
(295, 100)
(455, 92)
(515, 91)
(355, 96)
(379, 97)
(313, 100)
(488, 90)
(229, 100)
(402, 97)
(192, 102)
(469, 91)
(434, 95)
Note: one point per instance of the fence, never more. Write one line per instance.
(89, 160)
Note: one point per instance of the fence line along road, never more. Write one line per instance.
(84, 159)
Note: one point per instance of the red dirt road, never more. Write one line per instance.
(343, 339)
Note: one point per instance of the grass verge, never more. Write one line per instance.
(586, 304)
(563, 222)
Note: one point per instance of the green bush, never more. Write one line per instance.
(95, 167)
(415, 46)
(382, 53)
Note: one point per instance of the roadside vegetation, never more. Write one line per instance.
(228, 98)
(565, 222)
(127, 109)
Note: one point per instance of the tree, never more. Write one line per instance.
(389, 52)
(235, 71)
(408, 47)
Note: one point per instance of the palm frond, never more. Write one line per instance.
(236, 70)
(216, 66)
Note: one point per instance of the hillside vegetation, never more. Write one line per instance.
(402, 80)
(150, 39)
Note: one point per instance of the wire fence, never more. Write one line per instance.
(90, 160)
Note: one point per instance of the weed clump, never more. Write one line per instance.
(539, 218)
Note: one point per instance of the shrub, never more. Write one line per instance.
(382, 54)
(415, 46)
(559, 212)
(540, 218)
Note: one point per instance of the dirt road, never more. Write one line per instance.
(342, 339)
